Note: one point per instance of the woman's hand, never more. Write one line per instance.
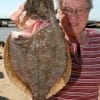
(65, 25)
(20, 18)
(26, 25)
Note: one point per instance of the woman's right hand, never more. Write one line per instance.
(20, 18)
(23, 22)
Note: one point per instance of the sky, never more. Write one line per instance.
(8, 6)
(95, 12)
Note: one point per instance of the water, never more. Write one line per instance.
(5, 31)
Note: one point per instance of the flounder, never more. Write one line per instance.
(40, 65)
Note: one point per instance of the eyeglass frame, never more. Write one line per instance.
(79, 11)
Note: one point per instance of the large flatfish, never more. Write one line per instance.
(40, 64)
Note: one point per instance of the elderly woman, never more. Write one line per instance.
(84, 47)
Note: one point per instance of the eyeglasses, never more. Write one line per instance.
(79, 11)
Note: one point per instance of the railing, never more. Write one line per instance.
(6, 23)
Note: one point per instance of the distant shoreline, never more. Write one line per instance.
(5, 31)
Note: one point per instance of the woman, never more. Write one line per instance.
(84, 47)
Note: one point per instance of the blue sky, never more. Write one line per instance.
(95, 12)
(8, 6)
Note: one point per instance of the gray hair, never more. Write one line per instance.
(90, 2)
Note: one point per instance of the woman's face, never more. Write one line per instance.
(77, 12)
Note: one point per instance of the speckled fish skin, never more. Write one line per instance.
(39, 8)
(41, 60)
